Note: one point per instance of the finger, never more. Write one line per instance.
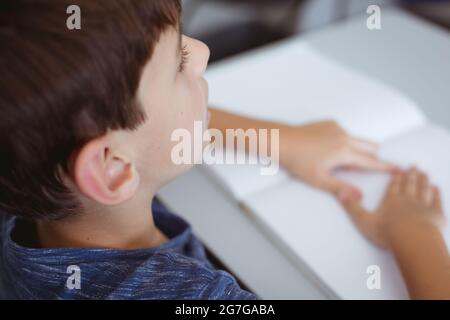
(343, 191)
(423, 185)
(371, 149)
(425, 190)
(412, 180)
(364, 221)
(403, 181)
(355, 210)
(369, 162)
(428, 196)
(438, 208)
(394, 185)
(437, 200)
(349, 167)
(364, 145)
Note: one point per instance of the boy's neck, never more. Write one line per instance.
(126, 227)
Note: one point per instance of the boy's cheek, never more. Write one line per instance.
(206, 93)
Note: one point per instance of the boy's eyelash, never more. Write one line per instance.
(184, 57)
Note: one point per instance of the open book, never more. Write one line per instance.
(294, 84)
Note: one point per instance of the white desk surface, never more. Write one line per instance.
(408, 54)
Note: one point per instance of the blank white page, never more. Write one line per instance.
(293, 83)
(313, 229)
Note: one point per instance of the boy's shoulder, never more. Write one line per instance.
(166, 273)
(170, 275)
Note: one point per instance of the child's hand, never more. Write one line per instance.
(312, 152)
(410, 202)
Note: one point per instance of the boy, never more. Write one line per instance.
(86, 120)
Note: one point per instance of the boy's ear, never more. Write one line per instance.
(104, 175)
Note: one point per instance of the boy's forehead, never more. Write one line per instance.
(172, 39)
(166, 52)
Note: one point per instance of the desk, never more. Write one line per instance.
(413, 57)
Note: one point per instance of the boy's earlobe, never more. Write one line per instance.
(103, 175)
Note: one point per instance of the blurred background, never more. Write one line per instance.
(229, 27)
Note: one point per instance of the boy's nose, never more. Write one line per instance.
(200, 55)
(206, 53)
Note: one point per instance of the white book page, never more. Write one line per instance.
(312, 228)
(292, 83)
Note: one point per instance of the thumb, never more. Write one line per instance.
(365, 222)
(343, 191)
(355, 210)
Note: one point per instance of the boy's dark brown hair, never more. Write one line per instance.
(60, 88)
